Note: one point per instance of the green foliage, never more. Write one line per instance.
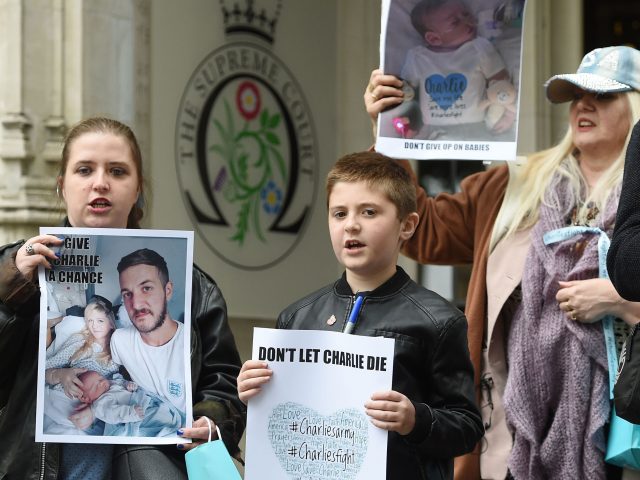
(233, 146)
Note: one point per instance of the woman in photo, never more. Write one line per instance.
(87, 350)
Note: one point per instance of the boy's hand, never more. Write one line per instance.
(132, 386)
(253, 375)
(391, 411)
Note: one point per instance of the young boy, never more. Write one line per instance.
(430, 414)
(450, 72)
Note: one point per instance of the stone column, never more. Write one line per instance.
(358, 51)
(61, 61)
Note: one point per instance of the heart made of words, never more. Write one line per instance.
(312, 446)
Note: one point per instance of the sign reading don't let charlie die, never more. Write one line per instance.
(246, 150)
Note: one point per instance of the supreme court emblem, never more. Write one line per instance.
(246, 150)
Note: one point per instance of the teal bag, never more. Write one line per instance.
(211, 461)
(623, 445)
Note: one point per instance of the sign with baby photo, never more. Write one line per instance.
(309, 422)
(113, 359)
(459, 61)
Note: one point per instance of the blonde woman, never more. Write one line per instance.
(87, 350)
(533, 308)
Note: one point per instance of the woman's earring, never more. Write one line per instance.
(58, 190)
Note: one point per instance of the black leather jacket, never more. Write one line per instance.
(431, 367)
(215, 364)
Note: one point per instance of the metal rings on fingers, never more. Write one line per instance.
(371, 88)
(571, 311)
(28, 248)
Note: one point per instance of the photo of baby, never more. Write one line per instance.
(114, 407)
(460, 63)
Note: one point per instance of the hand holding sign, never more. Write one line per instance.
(391, 411)
(253, 375)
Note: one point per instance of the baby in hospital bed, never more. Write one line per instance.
(125, 409)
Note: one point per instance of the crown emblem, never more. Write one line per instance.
(248, 19)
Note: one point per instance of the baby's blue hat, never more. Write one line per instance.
(603, 70)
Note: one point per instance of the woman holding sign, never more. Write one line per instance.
(535, 300)
(102, 185)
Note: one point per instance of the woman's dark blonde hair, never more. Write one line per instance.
(108, 125)
(377, 171)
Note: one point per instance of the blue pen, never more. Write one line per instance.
(353, 316)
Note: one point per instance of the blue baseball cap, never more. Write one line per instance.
(603, 70)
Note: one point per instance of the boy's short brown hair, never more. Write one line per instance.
(377, 171)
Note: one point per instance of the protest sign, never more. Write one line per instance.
(114, 353)
(309, 421)
(460, 64)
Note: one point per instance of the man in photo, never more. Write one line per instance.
(152, 349)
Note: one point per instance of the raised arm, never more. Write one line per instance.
(450, 224)
(453, 224)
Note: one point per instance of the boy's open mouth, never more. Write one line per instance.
(353, 244)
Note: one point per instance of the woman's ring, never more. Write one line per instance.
(29, 249)
(573, 315)
(373, 95)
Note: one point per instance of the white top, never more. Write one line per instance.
(451, 85)
(158, 370)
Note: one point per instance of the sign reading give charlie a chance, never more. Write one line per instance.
(246, 150)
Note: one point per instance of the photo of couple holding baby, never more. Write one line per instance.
(122, 371)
